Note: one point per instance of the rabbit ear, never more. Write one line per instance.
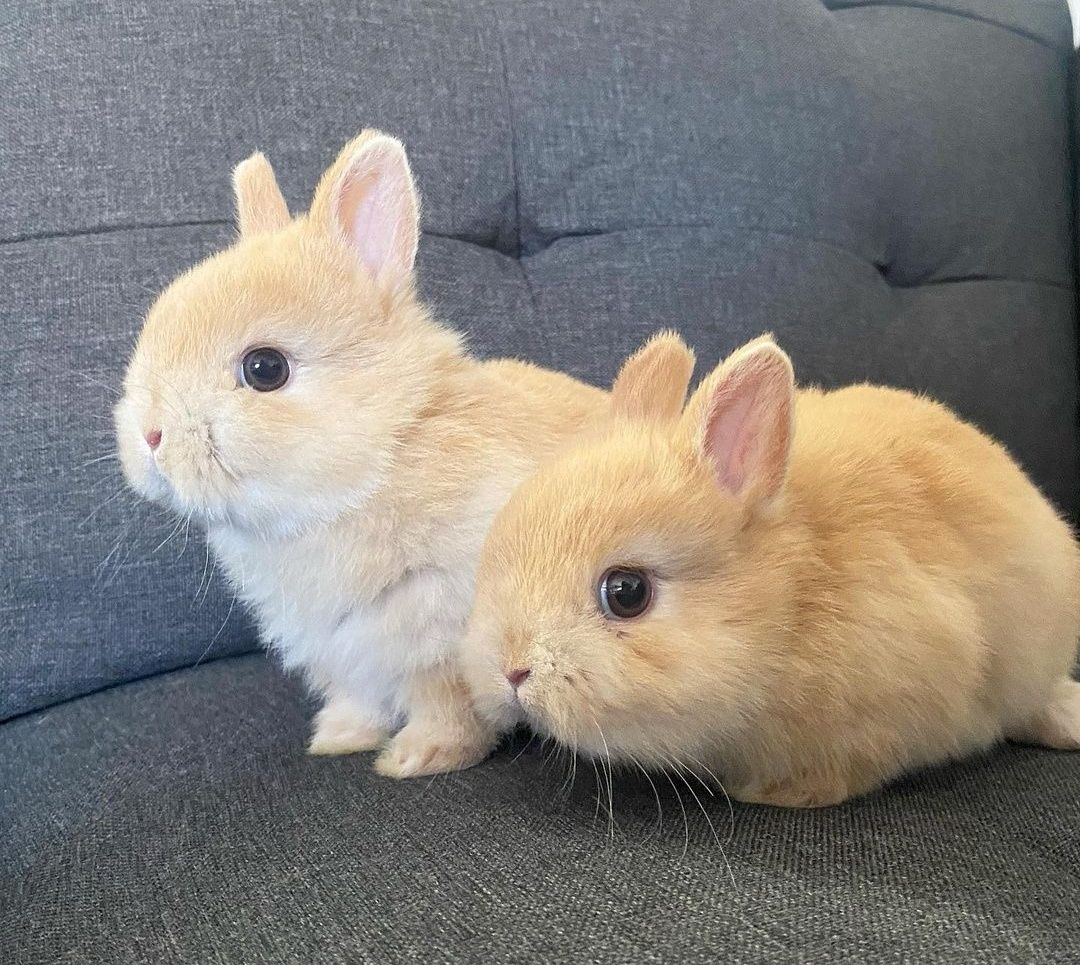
(742, 420)
(652, 383)
(260, 205)
(367, 200)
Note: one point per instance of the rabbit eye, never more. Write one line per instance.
(264, 369)
(624, 593)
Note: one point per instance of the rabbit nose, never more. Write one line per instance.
(518, 677)
(153, 438)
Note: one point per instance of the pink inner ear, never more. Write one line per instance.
(373, 225)
(732, 438)
(377, 210)
(748, 426)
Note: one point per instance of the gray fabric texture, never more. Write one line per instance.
(888, 186)
(177, 820)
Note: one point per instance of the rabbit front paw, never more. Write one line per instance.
(341, 729)
(419, 749)
(804, 791)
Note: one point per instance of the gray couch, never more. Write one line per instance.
(888, 186)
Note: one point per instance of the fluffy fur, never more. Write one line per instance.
(849, 584)
(347, 508)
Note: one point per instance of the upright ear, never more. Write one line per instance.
(367, 201)
(260, 205)
(741, 420)
(652, 383)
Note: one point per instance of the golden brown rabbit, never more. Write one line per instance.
(807, 593)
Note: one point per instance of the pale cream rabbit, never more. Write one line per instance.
(806, 593)
(344, 452)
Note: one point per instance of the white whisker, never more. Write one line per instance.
(175, 530)
(187, 533)
(567, 787)
(682, 807)
(99, 570)
(90, 462)
(89, 516)
(221, 629)
(596, 775)
(524, 749)
(659, 807)
(712, 827)
(610, 779)
(205, 578)
(723, 790)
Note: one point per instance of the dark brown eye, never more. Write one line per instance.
(625, 594)
(265, 369)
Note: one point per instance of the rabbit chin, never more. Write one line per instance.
(576, 728)
(566, 718)
(262, 509)
(278, 512)
(618, 728)
(547, 703)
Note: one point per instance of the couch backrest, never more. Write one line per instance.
(885, 186)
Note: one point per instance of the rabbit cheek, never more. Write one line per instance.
(483, 656)
(188, 465)
(494, 698)
(172, 471)
(568, 693)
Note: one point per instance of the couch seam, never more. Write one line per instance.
(111, 229)
(256, 649)
(585, 233)
(515, 171)
(810, 239)
(961, 14)
(1072, 107)
(514, 165)
(976, 277)
(195, 223)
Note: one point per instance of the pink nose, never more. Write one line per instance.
(153, 438)
(518, 677)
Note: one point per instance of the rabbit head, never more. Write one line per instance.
(628, 592)
(270, 383)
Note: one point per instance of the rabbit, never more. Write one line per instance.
(803, 594)
(343, 451)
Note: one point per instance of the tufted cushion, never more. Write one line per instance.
(178, 820)
(887, 186)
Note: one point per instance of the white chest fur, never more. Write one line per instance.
(358, 621)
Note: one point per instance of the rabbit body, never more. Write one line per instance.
(846, 585)
(935, 610)
(343, 451)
